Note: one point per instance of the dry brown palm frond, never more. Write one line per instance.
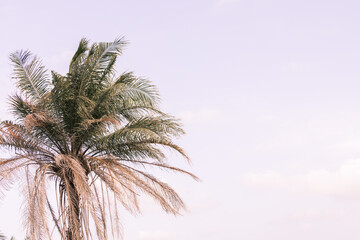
(38, 119)
(105, 119)
(162, 166)
(161, 192)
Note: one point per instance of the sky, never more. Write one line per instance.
(267, 90)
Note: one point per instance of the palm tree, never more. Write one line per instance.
(93, 135)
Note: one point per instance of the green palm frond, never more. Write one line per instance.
(29, 74)
(80, 53)
(94, 135)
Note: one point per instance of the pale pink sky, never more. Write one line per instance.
(268, 91)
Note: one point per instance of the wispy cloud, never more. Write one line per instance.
(292, 67)
(156, 235)
(203, 116)
(220, 3)
(342, 182)
(316, 213)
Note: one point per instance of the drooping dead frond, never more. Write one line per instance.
(35, 120)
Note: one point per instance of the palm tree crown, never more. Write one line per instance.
(92, 134)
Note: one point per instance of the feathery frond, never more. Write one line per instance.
(29, 74)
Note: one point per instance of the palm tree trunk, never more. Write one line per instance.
(73, 231)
